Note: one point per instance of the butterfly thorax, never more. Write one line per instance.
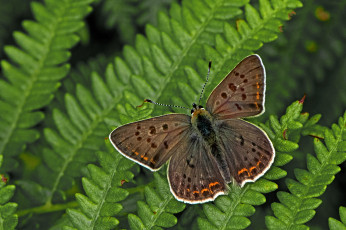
(202, 121)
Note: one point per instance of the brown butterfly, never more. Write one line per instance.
(210, 148)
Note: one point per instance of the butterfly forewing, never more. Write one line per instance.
(241, 93)
(249, 152)
(193, 174)
(151, 142)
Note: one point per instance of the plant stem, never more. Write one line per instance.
(48, 207)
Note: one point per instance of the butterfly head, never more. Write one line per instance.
(195, 108)
(198, 110)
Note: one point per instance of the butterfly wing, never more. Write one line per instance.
(241, 93)
(193, 174)
(151, 142)
(248, 151)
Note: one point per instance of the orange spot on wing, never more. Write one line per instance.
(257, 85)
(194, 192)
(134, 151)
(213, 184)
(152, 161)
(203, 190)
(252, 168)
(256, 105)
(243, 170)
(188, 190)
(145, 158)
(257, 96)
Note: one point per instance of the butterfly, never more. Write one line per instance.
(213, 146)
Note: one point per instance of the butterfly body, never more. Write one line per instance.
(210, 148)
(202, 121)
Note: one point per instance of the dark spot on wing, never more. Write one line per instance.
(165, 144)
(241, 140)
(152, 130)
(238, 106)
(232, 87)
(165, 127)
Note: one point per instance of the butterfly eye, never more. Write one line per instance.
(194, 105)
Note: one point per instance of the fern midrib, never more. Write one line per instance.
(27, 93)
(233, 207)
(176, 65)
(105, 193)
(160, 211)
(323, 164)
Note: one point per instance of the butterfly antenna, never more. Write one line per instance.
(200, 97)
(155, 103)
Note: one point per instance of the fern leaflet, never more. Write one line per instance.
(8, 218)
(338, 225)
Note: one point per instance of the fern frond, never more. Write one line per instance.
(8, 218)
(297, 207)
(35, 69)
(159, 208)
(338, 225)
(303, 57)
(103, 192)
(233, 210)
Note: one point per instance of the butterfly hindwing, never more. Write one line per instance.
(241, 93)
(193, 174)
(248, 151)
(151, 142)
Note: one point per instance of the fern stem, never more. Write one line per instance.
(47, 208)
(140, 188)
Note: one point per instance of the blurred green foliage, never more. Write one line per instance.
(78, 68)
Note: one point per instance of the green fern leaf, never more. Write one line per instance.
(338, 225)
(103, 192)
(159, 209)
(8, 218)
(34, 70)
(297, 207)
